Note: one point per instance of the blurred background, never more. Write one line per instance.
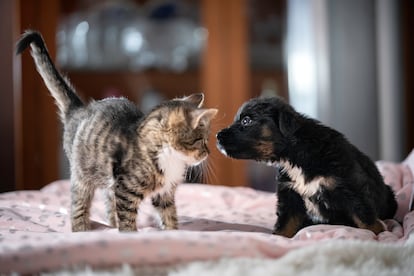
(346, 63)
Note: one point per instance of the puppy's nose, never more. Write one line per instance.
(219, 135)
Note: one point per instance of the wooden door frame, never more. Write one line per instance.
(8, 22)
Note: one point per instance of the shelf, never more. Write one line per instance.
(100, 84)
(97, 85)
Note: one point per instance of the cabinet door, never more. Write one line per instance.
(225, 78)
(37, 127)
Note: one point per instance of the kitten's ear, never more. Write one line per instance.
(202, 116)
(196, 99)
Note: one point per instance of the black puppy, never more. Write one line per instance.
(322, 178)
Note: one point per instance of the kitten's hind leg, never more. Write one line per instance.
(126, 202)
(111, 206)
(165, 205)
(82, 195)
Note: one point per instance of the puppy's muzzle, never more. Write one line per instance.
(221, 141)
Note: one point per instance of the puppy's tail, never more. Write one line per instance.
(59, 87)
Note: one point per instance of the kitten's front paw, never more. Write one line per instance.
(169, 223)
(113, 221)
(81, 227)
(128, 228)
(171, 227)
(80, 223)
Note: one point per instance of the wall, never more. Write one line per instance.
(354, 96)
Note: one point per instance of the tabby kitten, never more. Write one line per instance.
(111, 144)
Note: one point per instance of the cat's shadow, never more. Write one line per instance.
(202, 224)
(197, 224)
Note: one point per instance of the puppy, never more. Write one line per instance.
(322, 178)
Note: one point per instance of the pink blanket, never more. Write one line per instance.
(214, 222)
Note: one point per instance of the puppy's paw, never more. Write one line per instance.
(288, 226)
(377, 227)
(286, 232)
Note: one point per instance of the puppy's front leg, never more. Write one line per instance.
(365, 217)
(291, 212)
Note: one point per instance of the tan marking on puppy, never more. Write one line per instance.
(377, 227)
(298, 183)
(265, 148)
(292, 226)
(308, 189)
(266, 132)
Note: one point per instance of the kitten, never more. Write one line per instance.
(112, 144)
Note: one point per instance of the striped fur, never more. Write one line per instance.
(111, 144)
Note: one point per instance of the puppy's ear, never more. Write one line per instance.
(288, 123)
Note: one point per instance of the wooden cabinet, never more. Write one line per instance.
(224, 75)
(37, 134)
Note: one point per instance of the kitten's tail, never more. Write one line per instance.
(60, 88)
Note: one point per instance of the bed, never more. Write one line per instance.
(222, 231)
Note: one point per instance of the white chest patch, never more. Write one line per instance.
(173, 164)
(307, 189)
(299, 184)
(313, 212)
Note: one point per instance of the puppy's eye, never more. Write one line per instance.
(246, 121)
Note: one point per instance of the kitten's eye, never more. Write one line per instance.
(198, 141)
(246, 121)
